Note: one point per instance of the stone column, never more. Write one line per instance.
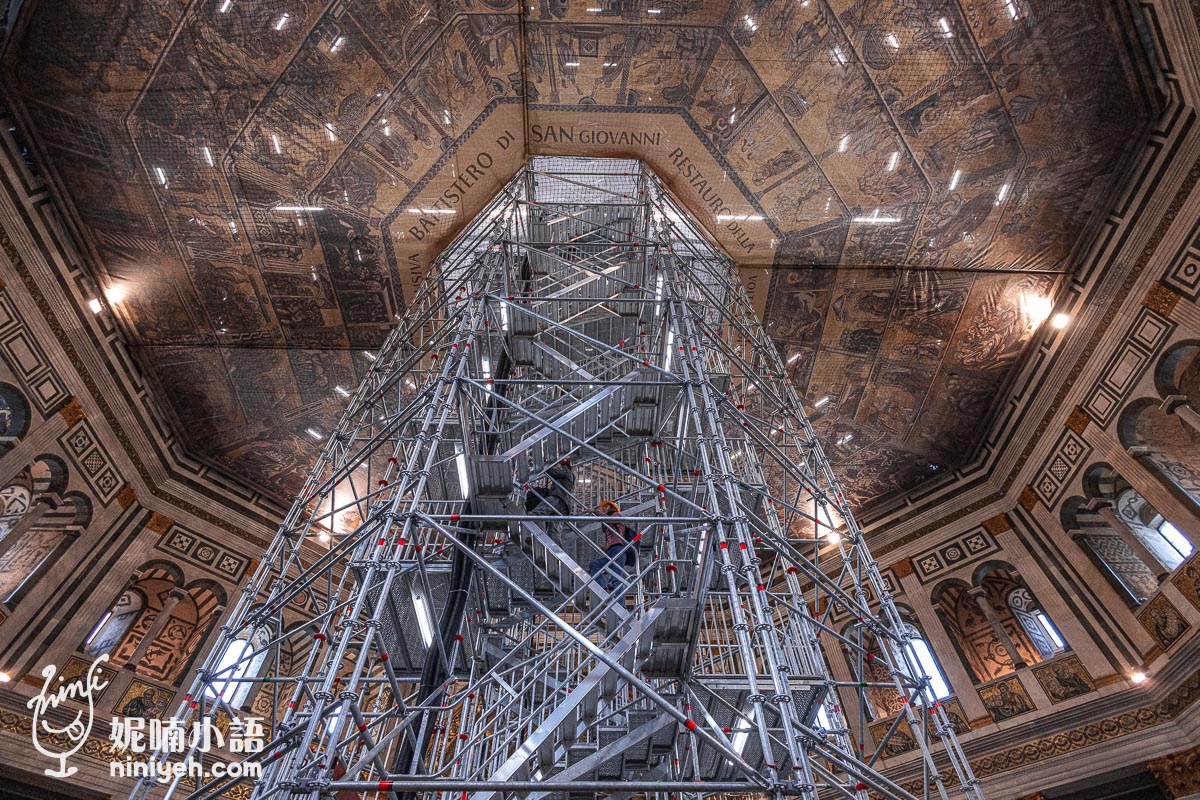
(993, 619)
(1120, 527)
(32, 517)
(156, 627)
(1177, 404)
(1179, 773)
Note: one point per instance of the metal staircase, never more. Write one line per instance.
(419, 629)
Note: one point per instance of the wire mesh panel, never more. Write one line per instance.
(574, 535)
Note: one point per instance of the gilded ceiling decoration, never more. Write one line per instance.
(258, 184)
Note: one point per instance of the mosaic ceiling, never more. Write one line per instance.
(258, 184)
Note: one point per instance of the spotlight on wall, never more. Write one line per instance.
(5, 677)
(1036, 308)
(95, 305)
(1137, 677)
(1060, 321)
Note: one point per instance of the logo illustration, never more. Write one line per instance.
(76, 731)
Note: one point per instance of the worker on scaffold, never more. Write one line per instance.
(556, 497)
(616, 537)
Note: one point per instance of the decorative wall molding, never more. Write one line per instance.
(1138, 350)
(190, 547)
(82, 447)
(20, 348)
(1060, 466)
(959, 551)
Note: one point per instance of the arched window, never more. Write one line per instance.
(178, 641)
(1162, 539)
(971, 632)
(242, 658)
(1174, 548)
(1035, 623)
(115, 623)
(30, 552)
(121, 629)
(882, 699)
(920, 652)
(1167, 446)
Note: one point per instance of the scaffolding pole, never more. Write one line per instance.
(451, 605)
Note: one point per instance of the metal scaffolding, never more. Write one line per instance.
(444, 608)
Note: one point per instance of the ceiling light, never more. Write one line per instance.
(208, 156)
(833, 537)
(653, 10)
(313, 434)
(333, 48)
(162, 176)
(298, 208)
(1003, 193)
(954, 179)
(95, 305)
(233, 227)
(892, 161)
(329, 132)
(594, 10)
(792, 360)
(944, 24)
(893, 41)
(845, 439)
(875, 219)
(322, 537)
(1137, 677)
(837, 54)
(1036, 308)
(282, 21)
(225, 4)
(571, 64)
(369, 355)
(1011, 7)
(341, 391)
(843, 144)
(424, 619)
(114, 294)
(821, 402)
